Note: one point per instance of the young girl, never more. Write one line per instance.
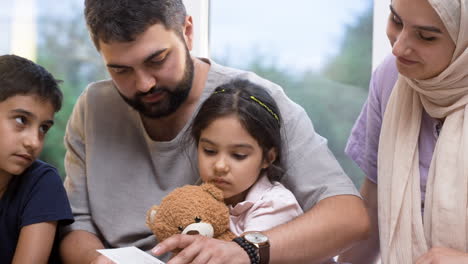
(237, 133)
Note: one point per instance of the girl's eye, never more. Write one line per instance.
(239, 156)
(209, 152)
(21, 120)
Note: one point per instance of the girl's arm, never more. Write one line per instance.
(35, 243)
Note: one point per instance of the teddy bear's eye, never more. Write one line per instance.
(197, 219)
(181, 228)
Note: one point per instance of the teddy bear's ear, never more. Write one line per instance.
(151, 214)
(213, 190)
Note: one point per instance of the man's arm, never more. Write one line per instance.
(331, 226)
(335, 216)
(79, 247)
(366, 251)
(321, 233)
(80, 242)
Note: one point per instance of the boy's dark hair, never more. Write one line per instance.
(257, 112)
(124, 20)
(20, 76)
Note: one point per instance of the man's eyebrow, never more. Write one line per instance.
(150, 57)
(425, 28)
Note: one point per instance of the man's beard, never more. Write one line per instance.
(174, 97)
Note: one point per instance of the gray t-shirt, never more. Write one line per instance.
(116, 172)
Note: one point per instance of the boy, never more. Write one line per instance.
(33, 201)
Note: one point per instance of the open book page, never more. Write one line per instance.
(129, 255)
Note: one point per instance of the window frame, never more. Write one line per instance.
(380, 45)
(200, 12)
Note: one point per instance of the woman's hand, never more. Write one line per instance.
(199, 249)
(439, 255)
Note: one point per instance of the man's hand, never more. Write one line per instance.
(101, 259)
(199, 249)
(438, 255)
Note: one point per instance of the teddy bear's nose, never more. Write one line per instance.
(193, 232)
(204, 229)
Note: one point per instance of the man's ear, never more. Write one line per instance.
(270, 158)
(188, 32)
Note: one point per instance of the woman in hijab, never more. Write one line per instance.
(411, 139)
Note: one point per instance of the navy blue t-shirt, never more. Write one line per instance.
(33, 197)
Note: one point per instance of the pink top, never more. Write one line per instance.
(267, 205)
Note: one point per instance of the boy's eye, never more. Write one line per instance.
(21, 120)
(44, 128)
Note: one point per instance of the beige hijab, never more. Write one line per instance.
(403, 237)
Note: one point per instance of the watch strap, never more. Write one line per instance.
(251, 250)
(264, 253)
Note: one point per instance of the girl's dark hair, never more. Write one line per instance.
(257, 112)
(124, 20)
(20, 76)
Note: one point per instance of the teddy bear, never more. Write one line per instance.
(191, 209)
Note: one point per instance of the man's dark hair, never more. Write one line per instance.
(256, 110)
(124, 20)
(20, 76)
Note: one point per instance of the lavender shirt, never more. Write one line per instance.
(363, 144)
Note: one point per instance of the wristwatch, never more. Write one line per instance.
(261, 242)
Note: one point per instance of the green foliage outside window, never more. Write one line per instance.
(332, 98)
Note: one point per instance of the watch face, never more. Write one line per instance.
(256, 237)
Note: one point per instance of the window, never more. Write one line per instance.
(320, 53)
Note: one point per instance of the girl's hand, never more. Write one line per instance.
(439, 255)
(199, 249)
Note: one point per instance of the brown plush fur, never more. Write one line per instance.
(180, 208)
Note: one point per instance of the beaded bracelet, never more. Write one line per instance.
(251, 250)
